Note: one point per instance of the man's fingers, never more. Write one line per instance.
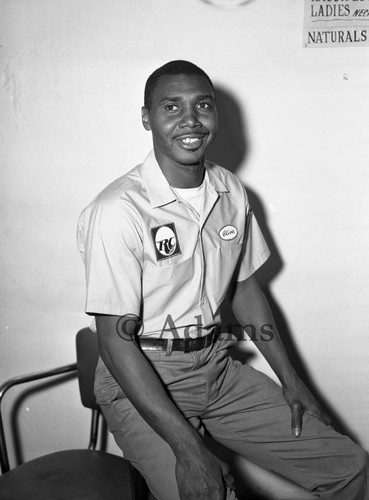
(227, 476)
(327, 419)
(296, 420)
(324, 417)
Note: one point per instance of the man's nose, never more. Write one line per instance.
(189, 119)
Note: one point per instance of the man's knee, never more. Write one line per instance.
(363, 462)
(355, 484)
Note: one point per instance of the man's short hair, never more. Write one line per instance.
(177, 67)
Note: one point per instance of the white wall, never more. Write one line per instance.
(73, 73)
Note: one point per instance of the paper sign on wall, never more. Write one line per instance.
(336, 23)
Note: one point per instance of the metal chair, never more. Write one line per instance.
(82, 474)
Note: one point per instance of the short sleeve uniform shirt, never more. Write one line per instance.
(148, 253)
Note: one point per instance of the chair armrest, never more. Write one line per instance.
(4, 462)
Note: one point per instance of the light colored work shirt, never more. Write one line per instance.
(148, 253)
(194, 196)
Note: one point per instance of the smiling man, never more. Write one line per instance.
(162, 246)
(182, 117)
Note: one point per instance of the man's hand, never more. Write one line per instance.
(258, 313)
(202, 476)
(300, 399)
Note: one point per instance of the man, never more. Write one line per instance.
(162, 246)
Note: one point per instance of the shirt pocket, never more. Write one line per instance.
(166, 286)
(222, 263)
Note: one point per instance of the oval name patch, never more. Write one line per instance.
(228, 232)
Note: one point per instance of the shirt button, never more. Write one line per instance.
(204, 300)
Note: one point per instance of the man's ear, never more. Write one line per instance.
(145, 118)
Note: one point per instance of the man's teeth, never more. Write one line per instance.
(190, 140)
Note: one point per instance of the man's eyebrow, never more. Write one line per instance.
(169, 99)
(178, 99)
(204, 97)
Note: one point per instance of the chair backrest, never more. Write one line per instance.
(87, 356)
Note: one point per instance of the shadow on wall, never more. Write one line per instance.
(231, 150)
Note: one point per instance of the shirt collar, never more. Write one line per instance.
(158, 189)
(213, 180)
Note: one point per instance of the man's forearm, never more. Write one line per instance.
(251, 308)
(143, 388)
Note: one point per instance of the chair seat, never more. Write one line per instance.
(69, 475)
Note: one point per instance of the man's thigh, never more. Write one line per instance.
(248, 414)
(145, 449)
(149, 453)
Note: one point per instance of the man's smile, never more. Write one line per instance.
(191, 141)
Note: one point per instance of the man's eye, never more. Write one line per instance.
(171, 107)
(203, 105)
